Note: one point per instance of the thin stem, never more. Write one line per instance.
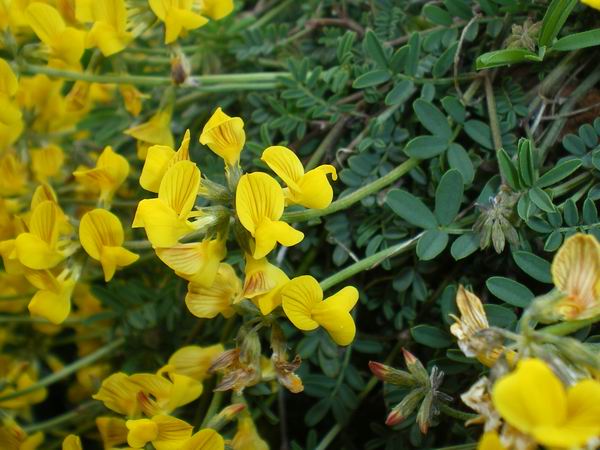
(213, 407)
(369, 262)
(356, 196)
(565, 328)
(491, 106)
(69, 416)
(331, 137)
(457, 414)
(566, 187)
(67, 370)
(201, 82)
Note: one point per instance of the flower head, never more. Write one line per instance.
(225, 136)
(159, 159)
(534, 401)
(259, 204)
(109, 31)
(263, 284)
(218, 298)
(303, 304)
(53, 299)
(310, 189)
(101, 236)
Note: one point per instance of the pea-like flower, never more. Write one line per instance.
(101, 235)
(53, 299)
(208, 302)
(109, 174)
(109, 30)
(167, 218)
(259, 204)
(66, 44)
(263, 284)
(576, 275)
(163, 431)
(534, 401)
(177, 16)
(303, 304)
(225, 136)
(310, 189)
(159, 159)
(156, 131)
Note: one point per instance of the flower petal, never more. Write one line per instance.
(163, 227)
(530, 397)
(314, 190)
(179, 187)
(333, 315)
(285, 164)
(194, 360)
(208, 302)
(225, 136)
(206, 439)
(269, 232)
(97, 229)
(298, 298)
(112, 258)
(45, 21)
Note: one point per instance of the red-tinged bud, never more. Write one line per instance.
(416, 368)
(394, 418)
(409, 358)
(379, 370)
(227, 414)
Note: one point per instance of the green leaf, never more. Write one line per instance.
(570, 213)
(505, 57)
(527, 172)
(431, 244)
(374, 49)
(448, 197)
(445, 61)
(411, 209)
(554, 19)
(508, 170)
(400, 93)
(590, 212)
(590, 38)
(437, 15)
(499, 316)
(480, 132)
(541, 199)
(455, 108)
(558, 173)
(423, 147)
(553, 241)
(414, 53)
(459, 159)
(534, 266)
(464, 246)
(432, 119)
(372, 78)
(431, 336)
(510, 291)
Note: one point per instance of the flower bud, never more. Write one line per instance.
(416, 368)
(405, 408)
(227, 414)
(391, 375)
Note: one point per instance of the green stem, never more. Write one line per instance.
(491, 106)
(70, 416)
(369, 262)
(450, 411)
(67, 370)
(211, 83)
(325, 145)
(567, 186)
(556, 128)
(565, 328)
(356, 196)
(213, 407)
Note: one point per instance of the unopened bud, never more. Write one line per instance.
(406, 407)
(392, 375)
(180, 67)
(415, 367)
(426, 412)
(227, 414)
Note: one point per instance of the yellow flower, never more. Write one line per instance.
(576, 274)
(132, 98)
(225, 136)
(216, 9)
(120, 394)
(66, 44)
(469, 327)
(196, 261)
(159, 159)
(46, 162)
(13, 175)
(109, 32)
(263, 284)
(208, 302)
(157, 131)
(490, 441)
(41, 248)
(592, 3)
(109, 174)
(18, 375)
(13, 437)
(166, 218)
(259, 203)
(246, 437)
(194, 361)
(206, 439)
(164, 432)
(11, 121)
(101, 236)
(53, 300)
(303, 304)
(72, 442)
(113, 431)
(177, 16)
(310, 189)
(534, 401)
